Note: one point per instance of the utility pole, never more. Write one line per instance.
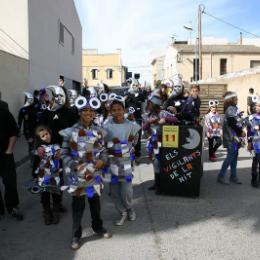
(201, 9)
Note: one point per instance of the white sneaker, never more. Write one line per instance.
(75, 243)
(122, 220)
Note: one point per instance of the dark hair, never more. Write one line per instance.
(106, 88)
(195, 86)
(38, 129)
(155, 108)
(116, 102)
(228, 102)
(36, 92)
(251, 90)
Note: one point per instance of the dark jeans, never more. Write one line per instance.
(78, 206)
(255, 165)
(46, 200)
(214, 143)
(8, 174)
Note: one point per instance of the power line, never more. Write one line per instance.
(230, 24)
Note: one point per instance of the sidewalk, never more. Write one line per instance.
(21, 151)
(224, 223)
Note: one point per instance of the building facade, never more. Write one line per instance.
(45, 37)
(157, 69)
(103, 68)
(217, 60)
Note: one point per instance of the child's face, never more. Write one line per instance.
(45, 136)
(118, 112)
(194, 92)
(213, 109)
(86, 116)
(257, 108)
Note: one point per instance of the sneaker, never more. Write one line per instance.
(223, 181)
(75, 243)
(236, 181)
(152, 187)
(131, 215)
(255, 184)
(122, 220)
(16, 214)
(104, 233)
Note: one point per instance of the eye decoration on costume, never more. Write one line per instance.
(112, 96)
(256, 99)
(93, 103)
(213, 103)
(131, 110)
(103, 97)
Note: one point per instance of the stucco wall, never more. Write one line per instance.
(241, 85)
(14, 22)
(14, 78)
(48, 58)
(210, 63)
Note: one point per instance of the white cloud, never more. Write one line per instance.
(140, 26)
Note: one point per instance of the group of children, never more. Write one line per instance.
(80, 157)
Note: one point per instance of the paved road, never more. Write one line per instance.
(224, 223)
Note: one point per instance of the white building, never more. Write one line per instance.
(47, 37)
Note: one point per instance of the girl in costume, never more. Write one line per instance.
(48, 174)
(85, 158)
(213, 124)
(233, 136)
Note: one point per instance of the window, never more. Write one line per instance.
(61, 33)
(109, 73)
(68, 36)
(94, 73)
(254, 63)
(223, 66)
(195, 76)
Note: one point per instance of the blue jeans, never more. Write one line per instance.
(232, 155)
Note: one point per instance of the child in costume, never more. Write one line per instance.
(84, 157)
(191, 110)
(121, 137)
(233, 136)
(48, 174)
(152, 129)
(253, 132)
(213, 124)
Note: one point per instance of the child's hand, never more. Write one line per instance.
(162, 121)
(172, 109)
(99, 164)
(249, 147)
(131, 138)
(41, 152)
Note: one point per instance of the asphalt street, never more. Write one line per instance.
(223, 223)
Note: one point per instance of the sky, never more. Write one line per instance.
(143, 28)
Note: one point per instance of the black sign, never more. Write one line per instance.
(181, 165)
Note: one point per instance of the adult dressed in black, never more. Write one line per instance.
(135, 98)
(9, 133)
